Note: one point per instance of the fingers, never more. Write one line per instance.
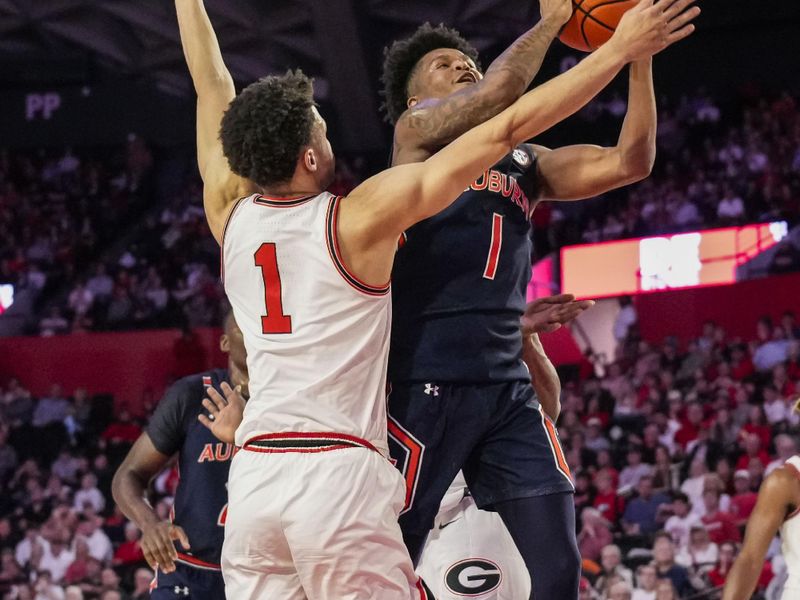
(682, 33)
(167, 551)
(230, 393)
(177, 533)
(208, 423)
(560, 299)
(216, 397)
(676, 8)
(684, 18)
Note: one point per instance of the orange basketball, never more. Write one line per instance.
(593, 22)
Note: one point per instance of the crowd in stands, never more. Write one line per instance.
(667, 446)
(715, 168)
(60, 214)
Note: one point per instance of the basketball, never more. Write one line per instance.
(593, 22)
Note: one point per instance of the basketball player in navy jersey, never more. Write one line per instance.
(193, 570)
(318, 266)
(460, 393)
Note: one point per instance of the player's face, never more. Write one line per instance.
(443, 72)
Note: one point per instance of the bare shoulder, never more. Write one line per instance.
(783, 484)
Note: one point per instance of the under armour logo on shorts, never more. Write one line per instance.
(431, 389)
(181, 590)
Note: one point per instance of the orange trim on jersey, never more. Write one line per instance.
(222, 241)
(332, 240)
(283, 202)
(415, 450)
(196, 562)
(555, 446)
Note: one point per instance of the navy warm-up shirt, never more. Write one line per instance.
(203, 461)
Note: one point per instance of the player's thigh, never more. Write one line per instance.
(521, 456)
(255, 555)
(474, 557)
(432, 430)
(248, 580)
(342, 528)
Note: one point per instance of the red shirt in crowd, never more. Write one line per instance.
(128, 553)
(721, 527)
(609, 505)
(742, 505)
(744, 460)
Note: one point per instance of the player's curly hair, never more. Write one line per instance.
(401, 58)
(266, 127)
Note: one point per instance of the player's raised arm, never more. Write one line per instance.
(583, 171)
(434, 122)
(215, 89)
(776, 499)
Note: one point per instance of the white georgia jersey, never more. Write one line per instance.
(790, 542)
(317, 338)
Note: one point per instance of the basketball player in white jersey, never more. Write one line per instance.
(313, 499)
(777, 511)
(469, 551)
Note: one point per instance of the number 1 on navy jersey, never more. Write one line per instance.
(494, 247)
(275, 321)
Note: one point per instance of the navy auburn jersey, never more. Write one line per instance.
(460, 280)
(203, 461)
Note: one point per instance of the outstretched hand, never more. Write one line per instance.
(548, 314)
(652, 25)
(558, 11)
(224, 413)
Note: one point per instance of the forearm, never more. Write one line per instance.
(200, 47)
(544, 377)
(515, 68)
(562, 96)
(637, 140)
(129, 492)
(743, 578)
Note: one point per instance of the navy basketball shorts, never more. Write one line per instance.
(496, 433)
(188, 583)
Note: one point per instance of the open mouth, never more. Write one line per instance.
(467, 77)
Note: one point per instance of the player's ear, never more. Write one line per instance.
(411, 102)
(224, 343)
(310, 160)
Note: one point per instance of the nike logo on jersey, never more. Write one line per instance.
(505, 185)
(443, 525)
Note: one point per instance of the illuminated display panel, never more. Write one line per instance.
(683, 260)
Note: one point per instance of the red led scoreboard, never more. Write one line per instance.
(684, 260)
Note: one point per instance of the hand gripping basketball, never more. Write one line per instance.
(648, 26)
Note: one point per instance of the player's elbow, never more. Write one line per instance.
(637, 162)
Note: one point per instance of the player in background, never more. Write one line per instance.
(469, 551)
(776, 512)
(193, 571)
(464, 401)
(306, 274)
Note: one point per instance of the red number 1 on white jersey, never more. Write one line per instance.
(275, 321)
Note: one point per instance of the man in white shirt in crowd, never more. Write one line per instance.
(646, 581)
(679, 525)
(89, 494)
(96, 539)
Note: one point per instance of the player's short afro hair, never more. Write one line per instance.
(401, 58)
(266, 127)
